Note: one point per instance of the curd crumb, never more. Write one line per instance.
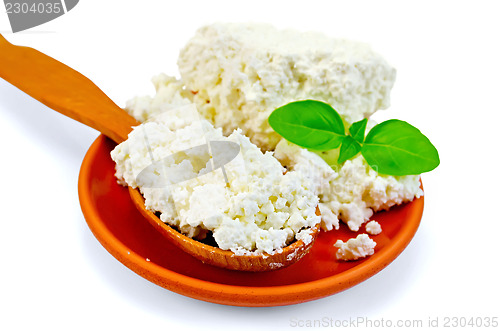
(355, 248)
(373, 228)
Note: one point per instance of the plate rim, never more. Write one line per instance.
(236, 295)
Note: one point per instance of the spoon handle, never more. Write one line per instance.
(63, 89)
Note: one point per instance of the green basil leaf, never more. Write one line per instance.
(311, 124)
(397, 148)
(357, 130)
(350, 147)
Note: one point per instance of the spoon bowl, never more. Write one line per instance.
(70, 93)
(225, 258)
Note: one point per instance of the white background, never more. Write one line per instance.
(55, 275)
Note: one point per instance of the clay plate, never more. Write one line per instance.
(131, 239)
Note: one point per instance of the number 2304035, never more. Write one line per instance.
(35, 8)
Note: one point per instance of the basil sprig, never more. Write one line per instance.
(392, 147)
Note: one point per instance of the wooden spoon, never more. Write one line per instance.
(74, 95)
(224, 258)
(63, 89)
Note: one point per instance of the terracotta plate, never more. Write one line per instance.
(131, 239)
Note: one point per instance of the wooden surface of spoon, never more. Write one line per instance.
(74, 95)
(63, 89)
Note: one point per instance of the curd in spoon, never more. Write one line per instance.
(72, 94)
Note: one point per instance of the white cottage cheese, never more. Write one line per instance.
(355, 248)
(262, 209)
(240, 73)
(373, 228)
(169, 96)
(237, 74)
